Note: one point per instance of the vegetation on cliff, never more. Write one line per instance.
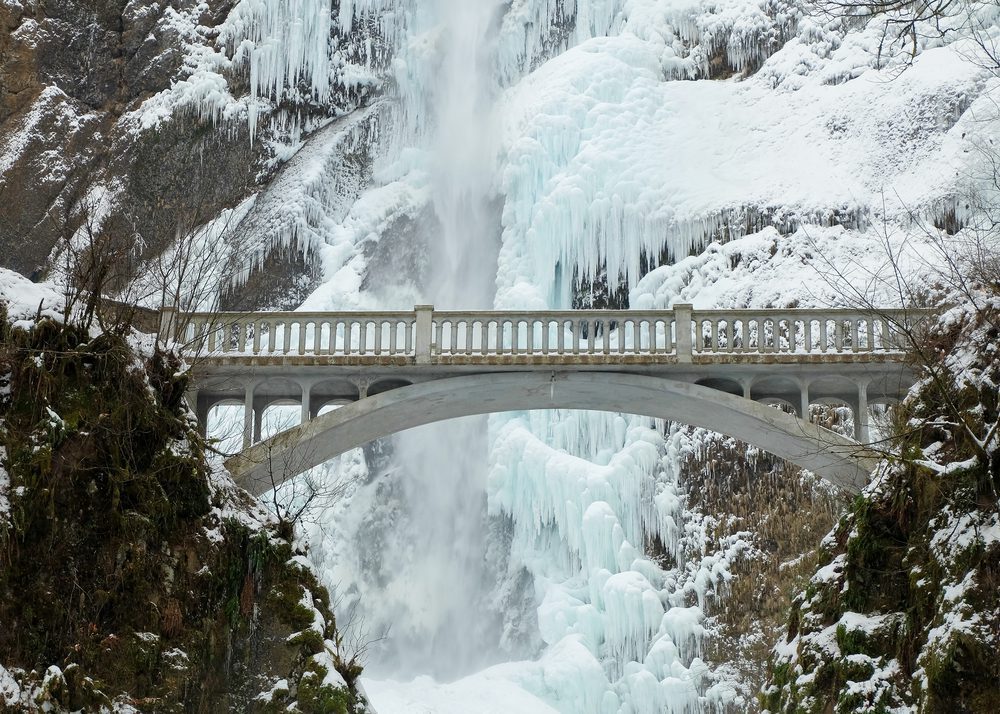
(133, 577)
(903, 615)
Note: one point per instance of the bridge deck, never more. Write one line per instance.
(792, 357)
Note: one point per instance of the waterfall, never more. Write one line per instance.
(463, 270)
(445, 464)
(480, 540)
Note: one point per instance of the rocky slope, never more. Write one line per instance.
(103, 123)
(903, 615)
(135, 578)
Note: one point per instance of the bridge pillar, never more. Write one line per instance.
(306, 413)
(682, 326)
(194, 405)
(804, 400)
(259, 407)
(248, 416)
(168, 323)
(862, 431)
(423, 329)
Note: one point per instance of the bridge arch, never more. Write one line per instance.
(840, 460)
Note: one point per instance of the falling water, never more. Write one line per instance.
(464, 269)
(449, 633)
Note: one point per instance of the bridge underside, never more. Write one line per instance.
(733, 402)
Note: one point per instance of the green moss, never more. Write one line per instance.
(308, 641)
(110, 500)
(314, 697)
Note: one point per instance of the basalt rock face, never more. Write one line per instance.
(79, 144)
(69, 74)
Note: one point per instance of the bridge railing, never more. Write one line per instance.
(300, 333)
(425, 334)
(801, 331)
(556, 333)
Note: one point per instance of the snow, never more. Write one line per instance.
(10, 692)
(4, 489)
(202, 89)
(607, 163)
(483, 693)
(24, 299)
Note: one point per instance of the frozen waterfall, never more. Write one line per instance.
(552, 559)
(521, 537)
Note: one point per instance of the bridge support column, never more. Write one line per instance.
(306, 413)
(804, 400)
(201, 416)
(248, 416)
(259, 407)
(862, 430)
(168, 324)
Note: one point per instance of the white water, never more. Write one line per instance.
(464, 157)
(444, 465)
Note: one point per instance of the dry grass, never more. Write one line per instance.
(787, 514)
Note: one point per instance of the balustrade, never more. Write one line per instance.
(802, 331)
(425, 334)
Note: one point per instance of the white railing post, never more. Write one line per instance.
(423, 328)
(682, 324)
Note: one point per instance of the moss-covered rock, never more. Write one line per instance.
(131, 572)
(903, 615)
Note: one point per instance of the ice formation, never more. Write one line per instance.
(715, 192)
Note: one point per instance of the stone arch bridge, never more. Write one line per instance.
(724, 370)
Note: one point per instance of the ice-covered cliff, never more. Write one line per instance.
(553, 153)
